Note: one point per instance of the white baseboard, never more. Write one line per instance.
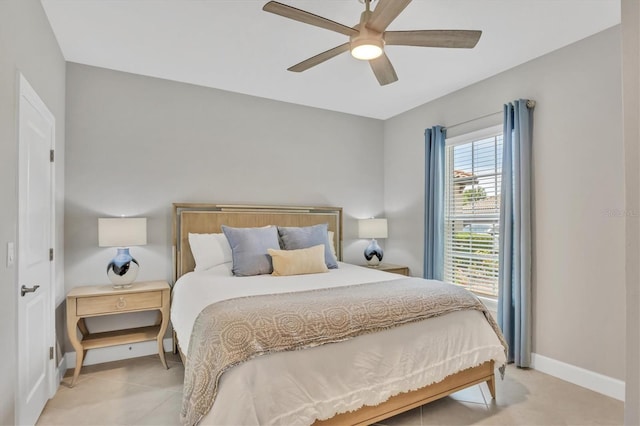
(596, 382)
(116, 353)
(58, 374)
(61, 369)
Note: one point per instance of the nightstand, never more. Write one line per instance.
(388, 267)
(93, 301)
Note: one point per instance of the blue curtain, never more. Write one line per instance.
(434, 203)
(514, 301)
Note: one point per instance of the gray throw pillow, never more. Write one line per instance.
(294, 238)
(249, 249)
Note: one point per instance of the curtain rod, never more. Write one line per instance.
(473, 119)
(530, 104)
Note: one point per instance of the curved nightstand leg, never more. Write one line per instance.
(163, 326)
(72, 325)
(161, 352)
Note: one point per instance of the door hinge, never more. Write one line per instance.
(50, 255)
(51, 155)
(50, 352)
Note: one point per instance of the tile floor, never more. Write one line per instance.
(140, 392)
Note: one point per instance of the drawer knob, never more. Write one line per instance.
(121, 303)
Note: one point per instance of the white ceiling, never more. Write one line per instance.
(233, 45)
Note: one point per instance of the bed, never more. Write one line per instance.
(358, 381)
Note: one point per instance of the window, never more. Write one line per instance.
(473, 169)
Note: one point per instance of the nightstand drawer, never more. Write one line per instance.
(110, 304)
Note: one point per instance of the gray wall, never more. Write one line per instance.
(137, 144)
(579, 240)
(631, 90)
(27, 45)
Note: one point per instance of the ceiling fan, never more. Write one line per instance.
(368, 38)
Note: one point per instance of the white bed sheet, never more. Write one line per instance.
(300, 386)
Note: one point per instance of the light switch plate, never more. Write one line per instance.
(11, 255)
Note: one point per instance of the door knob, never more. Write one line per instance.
(24, 290)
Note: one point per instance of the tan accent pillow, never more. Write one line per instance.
(297, 262)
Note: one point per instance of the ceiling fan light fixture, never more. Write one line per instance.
(366, 49)
(368, 38)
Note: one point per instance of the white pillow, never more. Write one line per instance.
(332, 245)
(209, 250)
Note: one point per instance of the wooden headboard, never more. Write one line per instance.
(208, 218)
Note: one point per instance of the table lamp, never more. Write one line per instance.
(122, 233)
(372, 228)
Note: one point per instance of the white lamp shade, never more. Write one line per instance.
(122, 232)
(372, 228)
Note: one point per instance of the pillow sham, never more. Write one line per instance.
(298, 262)
(294, 238)
(209, 250)
(332, 245)
(249, 249)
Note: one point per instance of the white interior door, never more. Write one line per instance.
(36, 322)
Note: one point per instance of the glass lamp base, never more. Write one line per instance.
(373, 253)
(123, 269)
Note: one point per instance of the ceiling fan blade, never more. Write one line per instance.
(384, 13)
(308, 18)
(433, 38)
(319, 58)
(383, 70)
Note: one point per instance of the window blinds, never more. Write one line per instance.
(472, 213)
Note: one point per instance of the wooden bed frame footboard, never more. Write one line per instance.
(406, 401)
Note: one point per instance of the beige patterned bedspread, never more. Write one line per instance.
(233, 331)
